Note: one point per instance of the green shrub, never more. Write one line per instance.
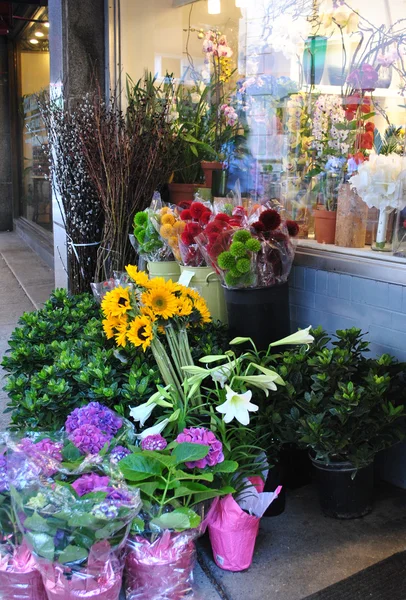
(59, 358)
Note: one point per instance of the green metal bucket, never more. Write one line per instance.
(167, 270)
(206, 281)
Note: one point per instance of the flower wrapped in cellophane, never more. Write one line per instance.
(19, 577)
(146, 240)
(76, 526)
(257, 253)
(177, 482)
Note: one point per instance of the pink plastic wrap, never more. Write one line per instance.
(19, 577)
(162, 569)
(233, 531)
(100, 580)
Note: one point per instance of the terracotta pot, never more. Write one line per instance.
(182, 192)
(325, 226)
(208, 167)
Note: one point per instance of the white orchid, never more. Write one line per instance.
(155, 430)
(299, 338)
(237, 406)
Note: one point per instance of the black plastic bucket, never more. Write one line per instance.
(296, 466)
(345, 492)
(259, 313)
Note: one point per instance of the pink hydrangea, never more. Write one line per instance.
(45, 454)
(89, 439)
(91, 483)
(203, 436)
(154, 442)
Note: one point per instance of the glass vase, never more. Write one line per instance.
(399, 234)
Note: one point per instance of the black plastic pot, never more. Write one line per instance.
(259, 313)
(273, 480)
(296, 466)
(344, 492)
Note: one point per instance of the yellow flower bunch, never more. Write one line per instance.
(138, 313)
(170, 228)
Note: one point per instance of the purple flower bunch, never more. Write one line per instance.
(205, 437)
(364, 78)
(118, 453)
(154, 442)
(91, 427)
(45, 454)
(99, 483)
(4, 486)
(94, 414)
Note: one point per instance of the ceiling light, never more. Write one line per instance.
(34, 41)
(39, 34)
(46, 24)
(214, 7)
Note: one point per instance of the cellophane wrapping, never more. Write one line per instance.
(76, 526)
(101, 288)
(146, 240)
(161, 568)
(19, 577)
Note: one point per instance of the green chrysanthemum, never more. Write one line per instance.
(243, 265)
(253, 245)
(226, 261)
(230, 280)
(141, 219)
(234, 272)
(242, 236)
(141, 236)
(238, 250)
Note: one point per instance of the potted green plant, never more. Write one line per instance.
(353, 408)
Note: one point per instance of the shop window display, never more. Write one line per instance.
(298, 101)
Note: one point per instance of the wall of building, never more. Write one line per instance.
(338, 301)
(6, 186)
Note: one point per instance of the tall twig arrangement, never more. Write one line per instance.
(68, 132)
(126, 160)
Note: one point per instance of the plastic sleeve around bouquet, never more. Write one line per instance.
(147, 242)
(235, 272)
(76, 527)
(191, 254)
(101, 288)
(19, 577)
(275, 258)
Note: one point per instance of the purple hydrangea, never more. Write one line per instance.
(201, 435)
(91, 483)
(105, 510)
(118, 453)
(119, 496)
(4, 487)
(89, 439)
(154, 442)
(97, 415)
(46, 454)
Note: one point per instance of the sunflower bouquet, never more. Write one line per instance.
(153, 309)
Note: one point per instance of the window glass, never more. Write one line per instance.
(35, 200)
(308, 101)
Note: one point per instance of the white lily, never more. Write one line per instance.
(275, 376)
(142, 413)
(300, 337)
(263, 382)
(222, 373)
(237, 406)
(156, 429)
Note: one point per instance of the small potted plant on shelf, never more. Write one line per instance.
(353, 408)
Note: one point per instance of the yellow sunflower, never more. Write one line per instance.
(109, 326)
(121, 335)
(185, 307)
(160, 301)
(140, 332)
(140, 278)
(116, 302)
(147, 312)
(201, 306)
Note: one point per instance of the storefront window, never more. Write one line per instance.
(306, 101)
(35, 201)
